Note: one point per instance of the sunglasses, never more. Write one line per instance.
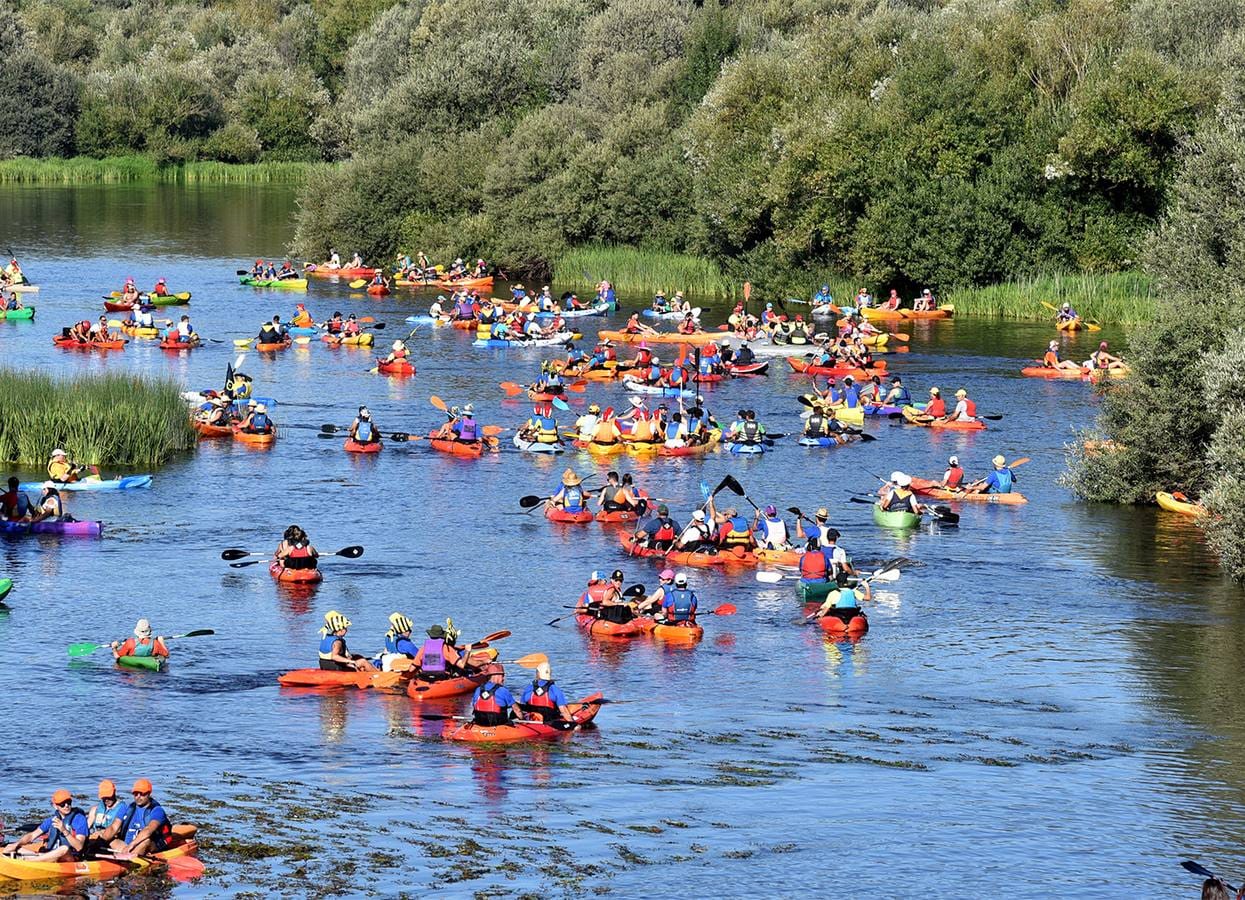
(64, 803)
(141, 793)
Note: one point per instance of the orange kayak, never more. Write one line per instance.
(397, 367)
(212, 430)
(805, 367)
(268, 348)
(582, 713)
(353, 446)
(301, 576)
(181, 843)
(258, 440)
(470, 450)
(329, 678)
(625, 337)
(849, 622)
(780, 557)
(602, 628)
(483, 283)
(70, 344)
(672, 557)
(557, 514)
(684, 633)
(928, 488)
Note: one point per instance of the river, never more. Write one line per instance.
(1047, 705)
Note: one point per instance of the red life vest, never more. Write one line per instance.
(955, 477)
(487, 703)
(540, 695)
(299, 552)
(970, 407)
(595, 594)
(813, 566)
(665, 532)
(936, 408)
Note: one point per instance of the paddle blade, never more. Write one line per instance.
(350, 552)
(559, 403)
(358, 283)
(577, 386)
(636, 590)
(532, 660)
(330, 429)
(492, 430)
(438, 403)
(769, 577)
(201, 632)
(235, 554)
(511, 389)
(241, 342)
(888, 575)
(531, 500)
(495, 636)
(1018, 462)
(84, 649)
(726, 609)
(184, 868)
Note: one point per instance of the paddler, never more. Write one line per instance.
(14, 505)
(272, 332)
(161, 289)
(965, 409)
(999, 481)
(897, 494)
(844, 597)
(356, 261)
(769, 529)
(820, 422)
(103, 815)
(335, 656)
(399, 648)
(437, 656)
(541, 427)
(606, 432)
(302, 318)
(1100, 359)
(936, 407)
(144, 827)
(746, 429)
(61, 835)
(256, 420)
(184, 332)
(99, 331)
(953, 478)
(814, 563)
(1051, 360)
(898, 395)
(733, 529)
(569, 496)
(660, 531)
(296, 550)
(679, 605)
(585, 425)
(286, 272)
(129, 293)
(1067, 313)
(49, 508)
(818, 528)
(492, 703)
(643, 358)
(142, 643)
(363, 430)
(892, 302)
(698, 536)
(61, 470)
(467, 429)
(925, 302)
(397, 351)
(654, 601)
(544, 700)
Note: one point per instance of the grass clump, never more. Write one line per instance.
(1124, 298)
(138, 168)
(636, 270)
(110, 419)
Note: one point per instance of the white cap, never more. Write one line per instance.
(955, 461)
(680, 579)
(49, 485)
(398, 345)
(261, 408)
(468, 409)
(896, 475)
(903, 480)
(595, 576)
(636, 401)
(544, 671)
(59, 452)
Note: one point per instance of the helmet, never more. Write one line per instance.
(953, 461)
(335, 621)
(771, 510)
(544, 671)
(401, 624)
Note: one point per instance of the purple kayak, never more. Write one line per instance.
(85, 529)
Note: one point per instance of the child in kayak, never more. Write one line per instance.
(143, 643)
(335, 656)
(61, 835)
(295, 550)
(49, 507)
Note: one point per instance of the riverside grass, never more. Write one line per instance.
(126, 169)
(635, 270)
(1122, 298)
(111, 419)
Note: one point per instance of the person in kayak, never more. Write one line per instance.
(844, 597)
(144, 827)
(399, 648)
(492, 703)
(1067, 314)
(953, 478)
(617, 496)
(302, 318)
(286, 272)
(814, 563)
(817, 528)
(1051, 360)
(606, 432)
(679, 604)
(898, 395)
(129, 293)
(142, 643)
(897, 495)
(769, 529)
(61, 835)
(397, 352)
(733, 530)
(689, 325)
(100, 819)
(100, 331)
(61, 470)
(820, 422)
(569, 496)
(272, 332)
(49, 508)
(965, 409)
(543, 699)
(1001, 481)
(335, 656)
(184, 332)
(256, 420)
(363, 430)
(744, 356)
(541, 427)
(467, 429)
(936, 407)
(660, 531)
(586, 425)
(652, 603)
(746, 429)
(1101, 360)
(379, 279)
(296, 550)
(437, 657)
(14, 505)
(356, 261)
(925, 302)
(352, 327)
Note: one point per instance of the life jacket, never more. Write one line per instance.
(55, 839)
(468, 430)
(816, 424)
(898, 499)
(936, 408)
(654, 373)
(145, 647)
(739, 534)
(773, 532)
(595, 595)
(364, 432)
(680, 605)
(970, 407)
(260, 422)
(269, 334)
(326, 653)
(665, 530)
(903, 398)
(540, 694)
(104, 817)
(434, 655)
(137, 818)
(813, 566)
(751, 431)
(393, 644)
(955, 477)
(847, 599)
(546, 429)
(572, 499)
(487, 701)
(672, 431)
(1004, 479)
(1050, 359)
(299, 551)
(620, 497)
(678, 375)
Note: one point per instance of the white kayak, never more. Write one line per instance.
(654, 314)
(639, 387)
(536, 447)
(599, 309)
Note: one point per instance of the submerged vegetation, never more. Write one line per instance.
(109, 419)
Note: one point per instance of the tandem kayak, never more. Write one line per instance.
(885, 409)
(562, 337)
(466, 449)
(916, 416)
(683, 633)
(209, 430)
(537, 446)
(582, 713)
(353, 446)
(598, 309)
(302, 330)
(1083, 373)
(80, 529)
(298, 576)
(362, 339)
(674, 557)
(150, 663)
(599, 627)
(330, 678)
(755, 368)
(181, 843)
(557, 514)
(124, 483)
(804, 367)
(397, 367)
(1178, 503)
(26, 312)
(422, 688)
(626, 337)
(260, 439)
(636, 385)
(167, 344)
(324, 270)
(927, 488)
(895, 518)
(692, 449)
(289, 284)
(66, 343)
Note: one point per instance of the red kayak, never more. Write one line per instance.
(397, 367)
(117, 306)
(601, 628)
(673, 557)
(804, 367)
(582, 713)
(753, 368)
(70, 344)
(557, 514)
(617, 515)
(851, 622)
(353, 446)
(378, 290)
(301, 576)
(166, 344)
(467, 449)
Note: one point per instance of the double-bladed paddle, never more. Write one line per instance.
(87, 648)
(352, 552)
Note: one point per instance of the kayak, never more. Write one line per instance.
(1083, 373)
(642, 448)
(804, 367)
(854, 415)
(1179, 503)
(814, 591)
(362, 339)
(561, 337)
(139, 331)
(302, 330)
(928, 488)
(26, 312)
(289, 284)
(626, 337)
(842, 441)
(693, 449)
(6, 585)
(124, 483)
(302, 576)
(150, 663)
(522, 729)
(1070, 324)
(912, 415)
(208, 430)
(167, 344)
(617, 515)
(599, 309)
(397, 367)
(850, 621)
(259, 440)
(482, 283)
(328, 678)
(639, 387)
(874, 314)
(469, 449)
(557, 514)
(378, 290)
(601, 449)
(24, 288)
(323, 270)
(182, 843)
(744, 449)
(604, 628)
(673, 557)
(82, 529)
(536, 446)
(353, 446)
(778, 557)
(754, 368)
(70, 344)
(885, 409)
(684, 633)
(270, 348)
(896, 518)
(175, 299)
(671, 315)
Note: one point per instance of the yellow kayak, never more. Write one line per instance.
(1179, 503)
(850, 416)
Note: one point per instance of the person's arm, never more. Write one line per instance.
(75, 831)
(158, 818)
(338, 656)
(158, 649)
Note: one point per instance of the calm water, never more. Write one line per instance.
(1048, 705)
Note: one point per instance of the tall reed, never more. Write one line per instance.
(636, 270)
(123, 169)
(110, 419)
(1124, 298)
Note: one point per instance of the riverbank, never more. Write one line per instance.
(1122, 298)
(122, 169)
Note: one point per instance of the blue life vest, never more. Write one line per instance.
(1004, 479)
(261, 422)
(75, 821)
(105, 817)
(137, 818)
(672, 431)
(847, 599)
(654, 373)
(365, 432)
(572, 499)
(680, 605)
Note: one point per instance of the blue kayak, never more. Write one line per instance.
(124, 483)
(302, 330)
(743, 449)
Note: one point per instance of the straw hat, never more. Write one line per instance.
(570, 479)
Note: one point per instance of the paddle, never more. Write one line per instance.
(1190, 866)
(358, 283)
(353, 552)
(939, 513)
(401, 437)
(87, 648)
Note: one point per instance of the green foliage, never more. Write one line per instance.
(112, 170)
(109, 419)
(640, 271)
(1123, 298)
(281, 107)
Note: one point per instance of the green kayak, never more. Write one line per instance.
(26, 312)
(899, 518)
(814, 592)
(6, 585)
(154, 663)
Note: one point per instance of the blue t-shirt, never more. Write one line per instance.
(554, 693)
(142, 816)
(75, 822)
(501, 694)
(1000, 480)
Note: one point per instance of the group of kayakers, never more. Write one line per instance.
(270, 271)
(672, 602)
(422, 269)
(1101, 360)
(15, 505)
(224, 410)
(138, 828)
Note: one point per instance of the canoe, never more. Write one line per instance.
(471, 450)
(329, 678)
(582, 713)
(362, 339)
(686, 633)
(1179, 503)
(624, 337)
(81, 529)
(70, 344)
(300, 576)
(804, 367)
(124, 483)
(353, 446)
(829, 442)
(150, 663)
(289, 284)
(536, 446)
(271, 348)
(1083, 373)
(847, 621)
(744, 449)
(912, 415)
(6, 585)
(557, 514)
(397, 367)
(182, 843)
(208, 430)
(597, 627)
(26, 312)
(755, 368)
(898, 518)
(322, 270)
(258, 440)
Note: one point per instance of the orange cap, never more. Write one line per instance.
(61, 796)
(143, 785)
(107, 789)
